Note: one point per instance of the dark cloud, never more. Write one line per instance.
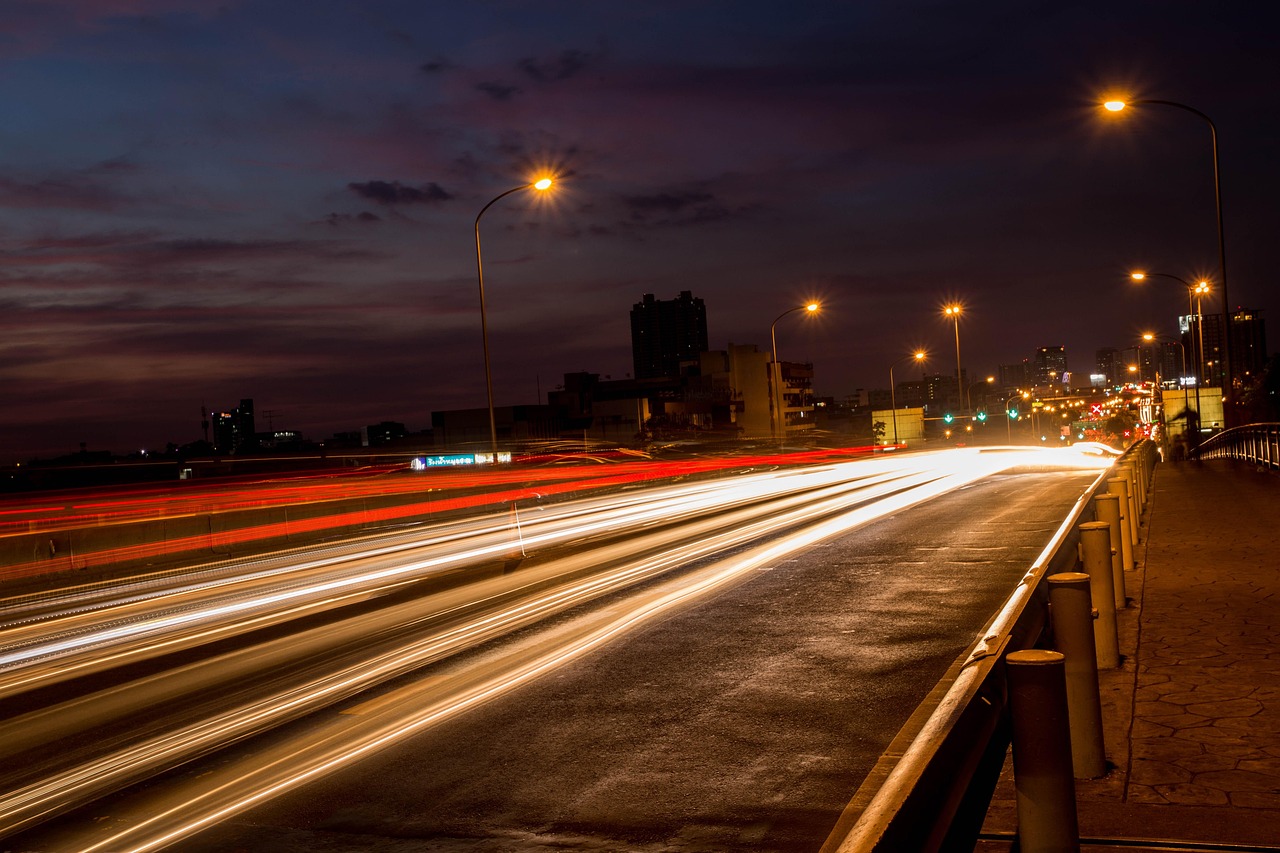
(562, 67)
(394, 192)
(667, 202)
(687, 207)
(363, 217)
(498, 91)
(435, 66)
(134, 250)
(72, 192)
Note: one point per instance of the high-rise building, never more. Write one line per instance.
(1015, 376)
(1110, 365)
(1203, 341)
(665, 333)
(234, 430)
(1049, 366)
(1248, 344)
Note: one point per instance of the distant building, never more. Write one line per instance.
(1016, 376)
(1109, 363)
(387, 432)
(666, 333)
(234, 431)
(1248, 344)
(1049, 367)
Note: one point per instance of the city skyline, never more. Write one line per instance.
(276, 201)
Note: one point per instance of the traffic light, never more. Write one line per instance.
(981, 415)
(948, 418)
(1013, 414)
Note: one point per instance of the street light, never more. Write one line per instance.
(953, 311)
(1198, 290)
(1151, 337)
(1008, 414)
(1116, 106)
(775, 378)
(917, 357)
(542, 184)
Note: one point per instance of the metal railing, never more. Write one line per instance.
(932, 787)
(1257, 443)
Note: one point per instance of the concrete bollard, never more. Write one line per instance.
(1095, 554)
(1118, 486)
(1107, 509)
(1144, 492)
(1072, 613)
(1135, 511)
(1042, 775)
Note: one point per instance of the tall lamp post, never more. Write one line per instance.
(953, 311)
(917, 357)
(1152, 337)
(1008, 414)
(1197, 290)
(775, 377)
(1116, 106)
(541, 185)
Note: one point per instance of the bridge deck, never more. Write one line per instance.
(1192, 717)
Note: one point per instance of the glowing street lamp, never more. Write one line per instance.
(542, 184)
(953, 311)
(1198, 290)
(1008, 414)
(1152, 337)
(918, 357)
(775, 373)
(1117, 106)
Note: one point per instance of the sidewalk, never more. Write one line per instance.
(1192, 717)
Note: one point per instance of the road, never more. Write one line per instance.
(710, 665)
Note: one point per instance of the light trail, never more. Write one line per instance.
(838, 499)
(144, 628)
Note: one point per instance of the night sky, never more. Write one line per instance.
(206, 201)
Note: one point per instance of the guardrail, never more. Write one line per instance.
(1257, 443)
(932, 787)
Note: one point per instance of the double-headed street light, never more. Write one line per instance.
(1198, 290)
(1152, 337)
(1008, 413)
(1116, 106)
(542, 184)
(775, 373)
(917, 357)
(953, 311)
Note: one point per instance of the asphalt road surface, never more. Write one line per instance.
(742, 718)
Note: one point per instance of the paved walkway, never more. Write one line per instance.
(1192, 716)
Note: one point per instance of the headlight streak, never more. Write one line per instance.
(231, 791)
(708, 536)
(142, 633)
(36, 801)
(890, 489)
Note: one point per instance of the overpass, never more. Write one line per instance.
(875, 815)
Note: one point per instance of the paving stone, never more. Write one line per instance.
(1157, 773)
(1193, 795)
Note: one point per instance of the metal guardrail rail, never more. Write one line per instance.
(1257, 443)
(932, 787)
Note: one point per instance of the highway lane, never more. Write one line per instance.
(55, 638)
(332, 746)
(259, 686)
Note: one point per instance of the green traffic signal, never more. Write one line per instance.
(981, 416)
(1013, 414)
(948, 418)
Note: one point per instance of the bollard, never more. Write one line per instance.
(1107, 509)
(1042, 777)
(1118, 487)
(1072, 613)
(1135, 511)
(1095, 553)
